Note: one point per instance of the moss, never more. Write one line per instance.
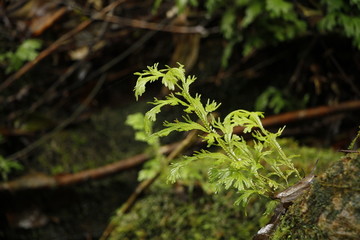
(330, 210)
(102, 140)
(167, 213)
(307, 156)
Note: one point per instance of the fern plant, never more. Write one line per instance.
(27, 51)
(157, 162)
(258, 167)
(7, 166)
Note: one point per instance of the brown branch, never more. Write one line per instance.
(135, 23)
(300, 115)
(109, 169)
(312, 113)
(28, 66)
(39, 180)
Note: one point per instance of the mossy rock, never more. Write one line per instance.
(331, 209)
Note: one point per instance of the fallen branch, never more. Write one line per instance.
(289, 117)
(69, 179)
(39, 180)
(135, 23)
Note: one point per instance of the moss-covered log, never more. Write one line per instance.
(331, 209)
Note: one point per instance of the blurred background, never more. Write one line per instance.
(66, 82)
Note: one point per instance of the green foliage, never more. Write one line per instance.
(136, 121)
(342, 17)
(277, 101)
(27, 51)
(254, 24)
(259, 23)
(353, 142)
(307, 156)
(158, 162)
(7, 166)
(259, 167)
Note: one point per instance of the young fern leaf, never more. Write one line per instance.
(169, 78)
(157, 161)
(180, 127)
(258, 168)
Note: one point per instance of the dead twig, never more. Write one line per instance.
(128, 204)
(49, 94)
(28, 66)
(348, 151)
(180, 147)
(135, 23)
(61, 126)
(295, 76)
(345, 77)
(123, 55)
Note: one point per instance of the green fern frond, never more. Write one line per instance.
(258, 167)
